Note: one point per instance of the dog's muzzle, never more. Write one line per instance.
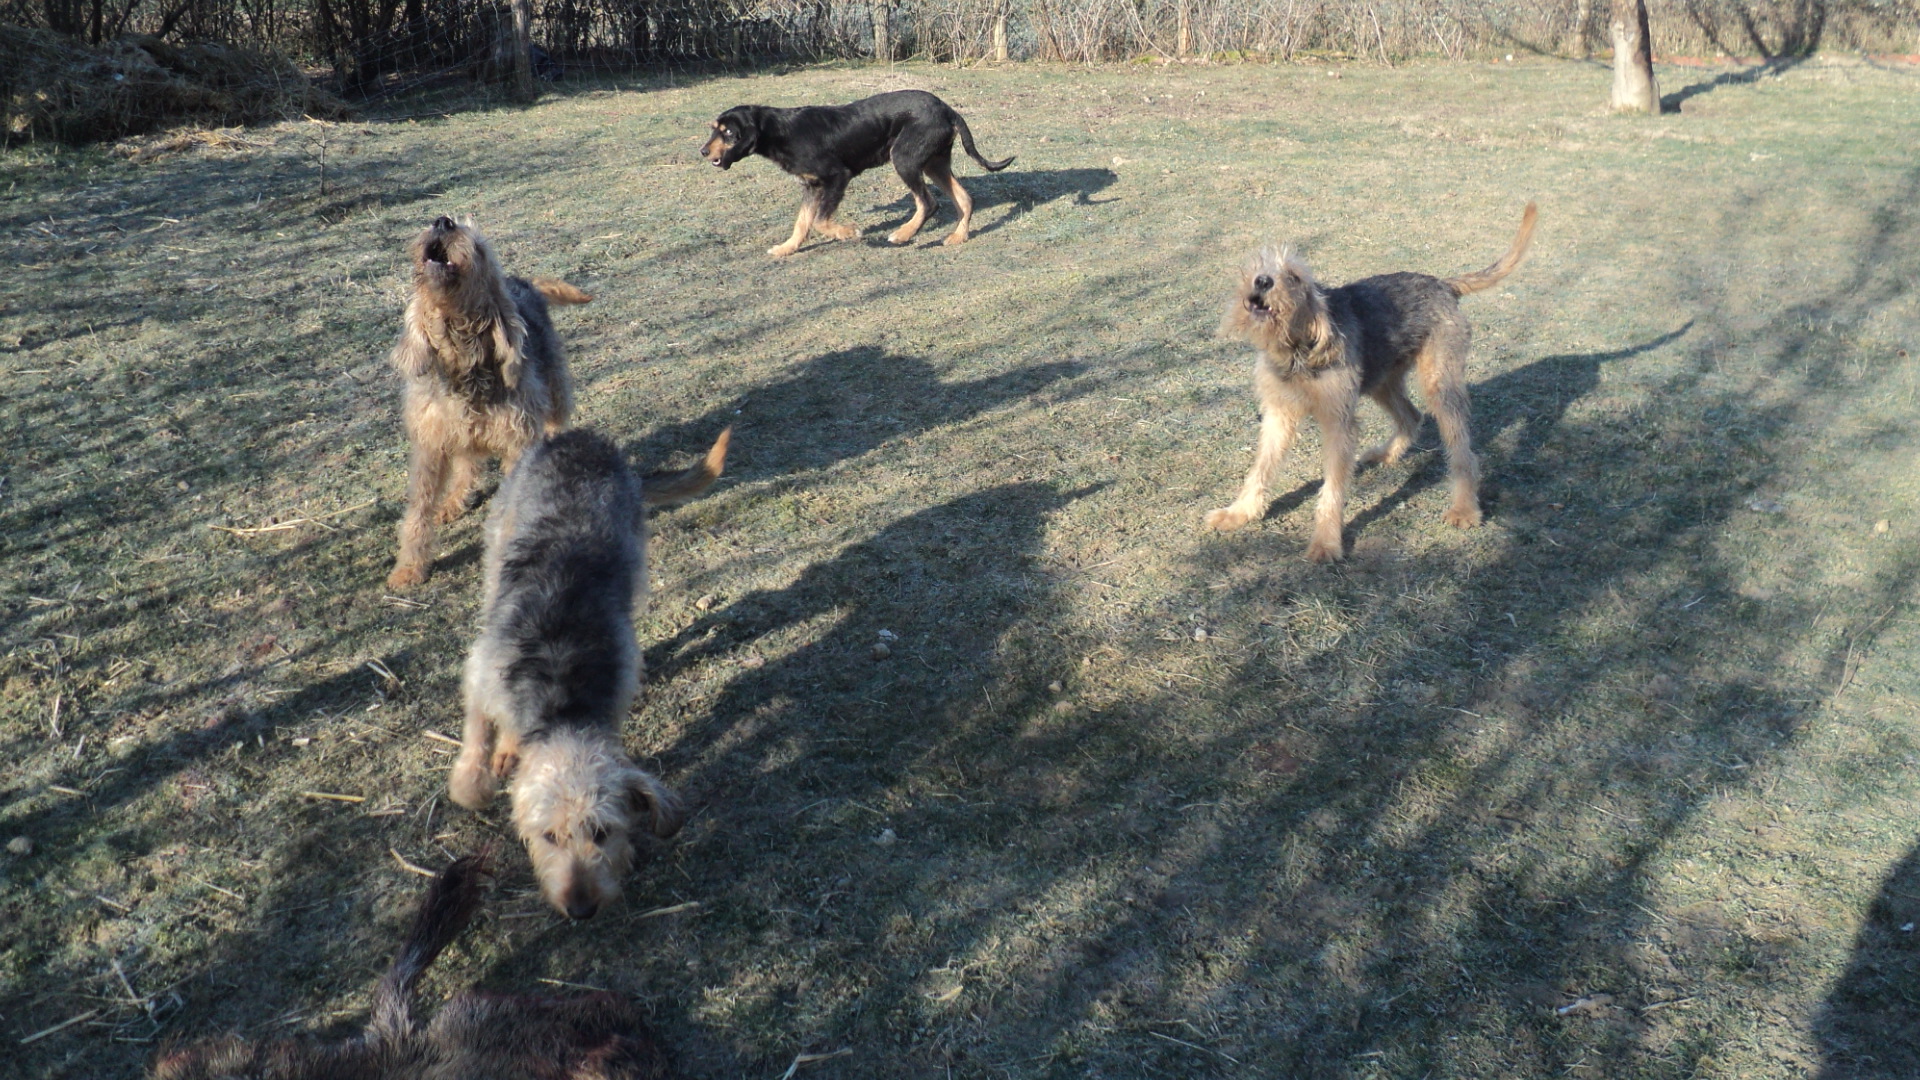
(1257, 299)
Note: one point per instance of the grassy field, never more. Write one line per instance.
(1621, 784)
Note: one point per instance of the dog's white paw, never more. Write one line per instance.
(1227, 519)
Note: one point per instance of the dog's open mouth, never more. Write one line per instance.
(1257, 307)
(436, 253)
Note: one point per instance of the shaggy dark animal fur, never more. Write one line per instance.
(828, 145)
(475, 1036)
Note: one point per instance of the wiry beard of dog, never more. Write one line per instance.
(460, 302)
(577, 799)
(1282, 311)
(572, 810)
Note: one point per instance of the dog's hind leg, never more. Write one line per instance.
(1443, 377)
(922, 200)
(940, 171)
(1392, 396)
(426, 476)
(802, 225)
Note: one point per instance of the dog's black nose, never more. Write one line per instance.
(444, 223)
(1262, 283)
(581, 908)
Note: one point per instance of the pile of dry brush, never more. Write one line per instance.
(54, 87)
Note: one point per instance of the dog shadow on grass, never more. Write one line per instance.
(1020, 192)
(1870, 1026)
(1535, 398)
(842, 404)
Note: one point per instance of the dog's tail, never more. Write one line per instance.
(966, 140)
(1488, 278)
(449, 905)
(679, 487)
(559, 292)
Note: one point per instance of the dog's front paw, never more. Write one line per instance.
(783, 250)
(899, 236)
(451, 511)
(1384, 454)
(842, 232)
(1227, 518)
(1462, 515)
(504, 762)
(954, 239)
(1324, 551)
(471, 785)
(407, 576)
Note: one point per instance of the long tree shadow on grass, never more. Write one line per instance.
(1368, 847)
(1746, 76)
(1381, 820)
(1870, 1026)
(839, 405)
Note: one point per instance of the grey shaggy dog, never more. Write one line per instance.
(549, 682)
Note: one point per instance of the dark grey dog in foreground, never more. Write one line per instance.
(549, 682)
(474, 1036)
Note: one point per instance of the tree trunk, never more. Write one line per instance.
(1183, 41)
(883, 31)
(1583, 27)
(1000, 38)
(523, 51)
(1633, 87)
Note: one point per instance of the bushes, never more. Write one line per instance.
(55, 87)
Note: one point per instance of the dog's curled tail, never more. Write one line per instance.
(966, 141)
(449, 905)
(681, 486)
(1488, 278)
(559, 292)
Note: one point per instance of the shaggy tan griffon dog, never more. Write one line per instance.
(1320, 349)
(485, 376)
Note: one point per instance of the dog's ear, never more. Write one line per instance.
(1313, 329)
(647, 795)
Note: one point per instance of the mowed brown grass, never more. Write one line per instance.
(1621, 784)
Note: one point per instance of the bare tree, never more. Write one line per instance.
(883, 31)
(1633, 87)
(523, 89)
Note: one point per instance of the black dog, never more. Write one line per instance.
(828, 145)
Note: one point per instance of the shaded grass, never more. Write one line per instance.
(1125, 799)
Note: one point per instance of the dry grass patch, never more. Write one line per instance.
(1122, 798)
